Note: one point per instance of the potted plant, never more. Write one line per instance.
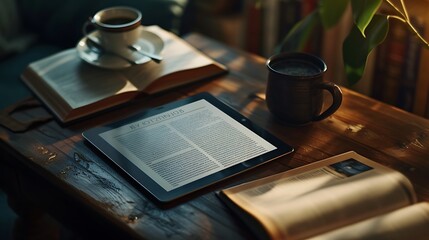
(368, 30)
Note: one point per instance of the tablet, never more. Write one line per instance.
(186, 145)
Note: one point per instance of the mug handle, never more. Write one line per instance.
(88, 23)
(337, 98)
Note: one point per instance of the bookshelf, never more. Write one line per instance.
(401, 75)
(268, 21)
(421, 99)
(397, 71)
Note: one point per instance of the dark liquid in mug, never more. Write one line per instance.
(117, 21)
(296, 68)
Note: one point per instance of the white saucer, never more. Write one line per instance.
(148, 41)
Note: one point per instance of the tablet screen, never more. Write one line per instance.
(185, 145)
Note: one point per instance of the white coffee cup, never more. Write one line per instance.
(118, 27)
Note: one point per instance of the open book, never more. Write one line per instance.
(73, 89)
(343, 197)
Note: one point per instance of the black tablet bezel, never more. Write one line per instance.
(160, 194)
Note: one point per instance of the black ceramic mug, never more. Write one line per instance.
(295, 88)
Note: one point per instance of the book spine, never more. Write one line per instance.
(314, 43)
(253, 26)
(407, 86)
(270, 11)
(289, 13)
(380, 65)
(388, 74)
(268, 22)
(427, 109)
(308, 6)
(421, 92)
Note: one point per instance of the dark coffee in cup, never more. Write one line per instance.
(295, 87)
(296, 68)
(117, 21)
(117, 27)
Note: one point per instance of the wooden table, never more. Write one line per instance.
(58, 171)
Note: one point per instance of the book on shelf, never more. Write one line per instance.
(399, 63)
(391, 62)
(268, 22)
(421, 92)
(73, 89)
(252, 34)
(270, 25)
(427, 109)
(346, 196)
(408, 83)
(290, 12)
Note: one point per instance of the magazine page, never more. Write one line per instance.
(406, 223)
(323, 196)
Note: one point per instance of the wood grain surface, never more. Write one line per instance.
(90, 185)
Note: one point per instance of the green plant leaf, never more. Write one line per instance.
(331, 11)
(297, 37)
(363, 12)
(357, 47)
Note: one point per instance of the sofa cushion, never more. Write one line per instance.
(12, 38)
(12, 88)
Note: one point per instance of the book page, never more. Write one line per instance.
(304, 202)
(178, 56)
(406, 223)
(78, 83)
(185, 144)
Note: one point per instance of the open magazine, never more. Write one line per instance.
(343, 197)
